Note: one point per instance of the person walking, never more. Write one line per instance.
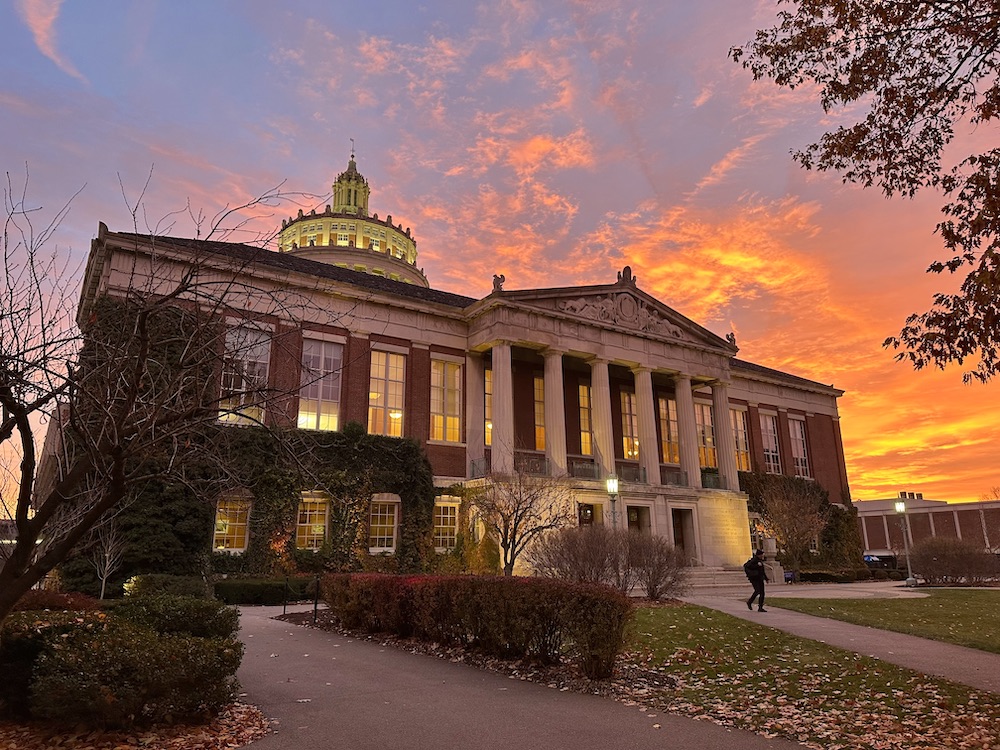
(756, 574)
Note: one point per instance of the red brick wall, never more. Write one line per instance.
(355, 380)
(523, 383)
(286, 363)
(418, 395)
(971, 525)
(447, 460)
(876, 532)
(826, 455)
(944, 524)
(920, 526)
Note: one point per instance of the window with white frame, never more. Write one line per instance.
(343, 239)
(319, 394)
(232, 522)
(488, 406)
(800, 453)
(669, 440)
(446, 401)
(586, 421)
(741, 438)
(382, 523)
(310, 528)
(376, 244)
(539, 390)
(769, 436)
(244, 375)
(630, 426)
(705, 424)
(386, 394)
(445, 523)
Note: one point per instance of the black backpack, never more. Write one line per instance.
(750, 567)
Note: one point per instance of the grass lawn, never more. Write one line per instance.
(965, 617)
(742, 674)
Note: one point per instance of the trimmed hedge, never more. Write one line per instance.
(153, 584)
(512, 618)
(183, 615)
(269, 592)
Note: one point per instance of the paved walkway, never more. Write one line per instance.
(967, 666)
(329, 691)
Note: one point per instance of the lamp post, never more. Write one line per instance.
(901, 510)
(612, 484)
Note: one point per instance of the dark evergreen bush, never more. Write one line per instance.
(152, 584)
(267, 592)
(168, 614)
(942, 560)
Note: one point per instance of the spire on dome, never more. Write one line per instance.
(351, 191)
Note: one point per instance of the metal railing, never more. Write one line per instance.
(630, 472)
(712, 480)
(534, 464)
(671, 475)
(582, 468)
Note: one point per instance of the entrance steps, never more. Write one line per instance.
(702, 578)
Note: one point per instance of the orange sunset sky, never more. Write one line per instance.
(553, 142)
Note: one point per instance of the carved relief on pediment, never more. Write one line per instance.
(621, 309)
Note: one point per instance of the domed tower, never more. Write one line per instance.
(345, 235)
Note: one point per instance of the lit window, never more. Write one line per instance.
(800, 455)
(382, 526)
(232, 516)
(385, 394)
(343, 239)
(376, 245)
(630, 426)
(319, 397)
(741, 437)
(310, 530)
(244, 376)
(445, 523)
(446, 401)
(539, 413)
(769, 434)
(488, 406)
(706, 435)
(669, 441)
(586, 423)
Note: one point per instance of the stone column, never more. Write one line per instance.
(725, 442)
(600, 403)
(475, 424)
(649, 451)
(502, 453)
(555, 413)
(687, 427)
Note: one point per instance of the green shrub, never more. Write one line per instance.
(521, 618)
(127, 675)
(37, 599)
(165, 614)
(269, 592)
(879, 574)
(23, 637)
(152, 584)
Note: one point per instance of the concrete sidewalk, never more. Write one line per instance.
(967, 666)
(326, 691)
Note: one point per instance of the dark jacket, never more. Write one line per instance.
(754, 568)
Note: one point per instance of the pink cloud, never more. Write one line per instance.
(40, 17)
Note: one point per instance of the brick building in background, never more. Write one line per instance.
(576, 382)
(881, 526)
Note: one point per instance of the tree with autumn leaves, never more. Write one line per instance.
(923, 75)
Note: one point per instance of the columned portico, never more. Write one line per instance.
(502, 455)
(604, 441)
(555, 412)
(688, 429)
(649, 450)
(725, 445)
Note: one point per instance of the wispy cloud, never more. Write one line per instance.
(40, 17)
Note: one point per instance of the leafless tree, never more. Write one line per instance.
(515, 508)
(107, 551)
(795, 518)
(123, 382)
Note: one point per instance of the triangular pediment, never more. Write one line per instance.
(621, 306)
